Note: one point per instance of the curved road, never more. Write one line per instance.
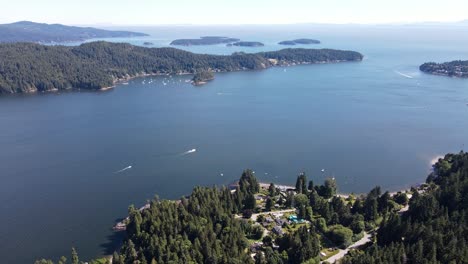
(343, 252)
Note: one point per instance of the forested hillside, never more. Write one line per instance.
(457, 68)
(26, 31)
(307, 223)
(434, 229)
(28, 67)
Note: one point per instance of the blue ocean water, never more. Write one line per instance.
(375, 122)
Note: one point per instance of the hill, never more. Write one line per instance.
(26, 31)
(247, 44)
(452, 69)
(208, 40)
(434, 229)
(264, 223)
(299, 41)
(29, 67)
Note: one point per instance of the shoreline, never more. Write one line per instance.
(118, 81)
(276, 63)
(121, 226)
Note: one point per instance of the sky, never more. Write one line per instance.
(155, 12)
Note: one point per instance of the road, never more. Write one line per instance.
(343, 252)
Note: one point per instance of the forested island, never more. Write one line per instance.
(247, 44)
(30, 67)
(202, 77)
(208, 40)
(26, 31)
(299, 41)
(457, 68)
(306, 223)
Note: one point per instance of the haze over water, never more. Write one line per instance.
(65, 158)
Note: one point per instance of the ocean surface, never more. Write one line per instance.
(65, 157)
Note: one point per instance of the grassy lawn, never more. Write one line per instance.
(328, 253)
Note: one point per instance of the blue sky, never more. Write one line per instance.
(152, 12)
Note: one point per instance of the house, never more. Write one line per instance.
(280, 221)
(278, 230)
(256, 246)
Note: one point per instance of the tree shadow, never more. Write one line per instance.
(113, 241)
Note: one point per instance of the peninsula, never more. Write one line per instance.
(305, 223)
(303, 41)
(202, 77)
(29, 67)
(26, 31)
(457, 68)
(208, 40)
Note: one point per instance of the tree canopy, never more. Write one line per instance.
(29, 67)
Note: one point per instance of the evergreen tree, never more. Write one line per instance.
(74, 256)
(301, 183)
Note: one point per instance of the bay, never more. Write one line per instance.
(376, 122)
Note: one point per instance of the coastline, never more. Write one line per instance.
(120, 226)
(117, 81)
(436, 159)
(275, 63)
(106, 88)
(420, 188)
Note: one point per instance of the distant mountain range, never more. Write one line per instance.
(26, 31)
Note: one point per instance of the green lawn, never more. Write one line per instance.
(328, 253)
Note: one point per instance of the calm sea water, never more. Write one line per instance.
(376, 122)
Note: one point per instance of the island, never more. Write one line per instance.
(30, 67)
(303, 41)
(207, 40)
(146, 43)
(457, 68)
(252, 222)
(247, 44)
(26, 31)
(202, 77)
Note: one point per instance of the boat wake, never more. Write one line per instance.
(412, 107)
(404, 75)
(188, 152)
(124, 169)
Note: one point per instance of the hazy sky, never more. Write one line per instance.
(127, 12)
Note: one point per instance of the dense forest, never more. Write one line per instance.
(29, 67)
(434, 229)
(25, 31)
(453, 69)
(222, 225)
(208, 40)
(201, 77)
(303, 41)
(247, 44)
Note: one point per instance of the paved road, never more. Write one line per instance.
(343, 252)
